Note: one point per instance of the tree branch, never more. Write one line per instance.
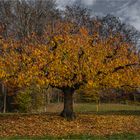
(122, 67)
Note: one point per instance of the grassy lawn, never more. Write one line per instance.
(119, 109)
(92, 108)
(80, 137)
(102, 108)
(107, 108)
(87, 107)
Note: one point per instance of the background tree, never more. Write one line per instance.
(77, 15)
(21, 18)
(111, 25)
(105, 26)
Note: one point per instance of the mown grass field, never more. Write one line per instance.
(80, 137)
(91, 107)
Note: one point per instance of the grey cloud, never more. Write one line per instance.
(127, 10)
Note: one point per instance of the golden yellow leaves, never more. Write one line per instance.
(3, 74)
(22, 65)
(74, 55)
(103, 58)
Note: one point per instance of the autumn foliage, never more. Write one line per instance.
(52, 125)
(69, 60)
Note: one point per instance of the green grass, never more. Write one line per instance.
(90, 107)
(80, 137)
(119, 109)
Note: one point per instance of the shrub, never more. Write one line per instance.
(24, 100)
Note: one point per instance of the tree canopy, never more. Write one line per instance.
(68, 61)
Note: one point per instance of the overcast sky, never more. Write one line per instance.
(127, 10)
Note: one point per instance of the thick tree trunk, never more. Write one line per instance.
(4, 98)
(68, 104)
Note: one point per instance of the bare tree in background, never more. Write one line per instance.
(21, 18)
(5, 16)
(78, 15)
(111, 25)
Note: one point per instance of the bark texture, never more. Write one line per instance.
(68, 112)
